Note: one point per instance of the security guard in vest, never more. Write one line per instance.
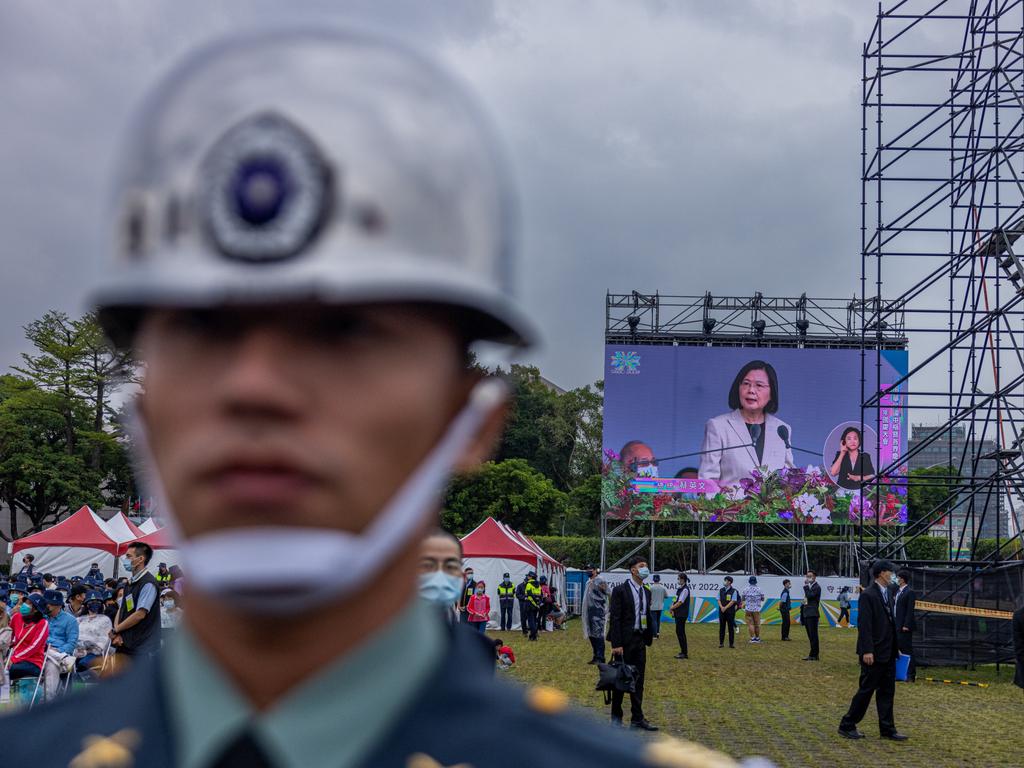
(310, 228)
(534, 598)
(136, 628)
(163, 576)
(506, 601)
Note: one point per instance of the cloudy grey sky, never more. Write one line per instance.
(672, 145)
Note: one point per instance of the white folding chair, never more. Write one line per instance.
(19, 681)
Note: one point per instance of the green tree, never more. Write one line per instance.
(557, 433)
(930, 493)
(74, 362)
(511, 491)
(39, 476)
(59, 445)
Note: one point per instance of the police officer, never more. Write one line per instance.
(506, 601)
(312, 227)
(523, 606)
(534, 598)
(785, 606)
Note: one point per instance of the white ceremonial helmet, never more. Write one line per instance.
(334, 166)
(328, 166)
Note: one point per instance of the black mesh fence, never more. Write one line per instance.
(944, 639)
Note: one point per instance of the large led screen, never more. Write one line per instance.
(745, 434)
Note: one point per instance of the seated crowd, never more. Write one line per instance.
(55, 626)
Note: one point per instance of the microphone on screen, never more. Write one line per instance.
(755, 433)
(784, 434)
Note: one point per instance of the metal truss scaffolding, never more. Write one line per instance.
(942, 213)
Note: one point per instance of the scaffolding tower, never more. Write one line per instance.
(942, 211)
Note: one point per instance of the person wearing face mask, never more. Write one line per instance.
(637, 457)
(468, 590)
(30, 633)
(810, 614)
(631, 632)
(506, 602)
(94, 629)
(18, 592)
(76, 600)
(136, 629)
(63, 640)
(728, 602)
(170, 611)
(595, 610)
(877, 651)
(28, 569)
(440, 572)
(534, 599)
(478, 609)
(5, 622)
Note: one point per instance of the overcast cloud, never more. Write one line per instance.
(673, 146)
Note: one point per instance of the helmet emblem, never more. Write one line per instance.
(266, 190)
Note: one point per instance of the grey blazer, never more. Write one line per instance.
(728, 461)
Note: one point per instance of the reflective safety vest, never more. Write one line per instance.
(164, 579)
(533, 594)
(506, 592)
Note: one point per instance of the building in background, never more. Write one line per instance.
(987, 507)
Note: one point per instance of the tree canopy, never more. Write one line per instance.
(59, 446)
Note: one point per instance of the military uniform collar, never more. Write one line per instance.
(333, 719)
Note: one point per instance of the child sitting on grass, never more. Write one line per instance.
(503, 654)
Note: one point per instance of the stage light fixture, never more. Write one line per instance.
(709, 325)
(802, 325)
(758, 326)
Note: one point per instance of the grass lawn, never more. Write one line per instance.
(763, 700)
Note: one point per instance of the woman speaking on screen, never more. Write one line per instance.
(749, 436)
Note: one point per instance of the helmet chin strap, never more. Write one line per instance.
(287, 569)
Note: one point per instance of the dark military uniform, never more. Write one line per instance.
(125, 721)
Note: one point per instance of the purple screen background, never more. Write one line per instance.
(675, 390)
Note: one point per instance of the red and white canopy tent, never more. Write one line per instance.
(69, 547)
(149, 525)
(493, 549)
(163, 548)
(121, 529)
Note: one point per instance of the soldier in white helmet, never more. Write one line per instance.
(309, 231)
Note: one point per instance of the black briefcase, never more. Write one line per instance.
(616, 676)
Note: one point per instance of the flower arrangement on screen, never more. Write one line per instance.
(789, 495)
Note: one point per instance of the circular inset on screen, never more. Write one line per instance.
(848, 456)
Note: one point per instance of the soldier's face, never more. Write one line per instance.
(298, 415)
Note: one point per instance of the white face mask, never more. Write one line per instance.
(306, 566)
(647, 470)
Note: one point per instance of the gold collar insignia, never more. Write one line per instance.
(108, 751)
(420, 760)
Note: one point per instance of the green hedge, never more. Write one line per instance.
(577, 551)
(928, 548)
(986, 547)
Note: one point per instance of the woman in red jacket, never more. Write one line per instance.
(478, 610)
(30, 634)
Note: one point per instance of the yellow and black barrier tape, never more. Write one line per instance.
(963, 610)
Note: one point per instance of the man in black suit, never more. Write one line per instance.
(876, 648)
(903, 609)
(785, 606)
(1018, 646)
(810, 613)
(631, 631)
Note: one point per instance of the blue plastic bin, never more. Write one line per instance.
(902, 667)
